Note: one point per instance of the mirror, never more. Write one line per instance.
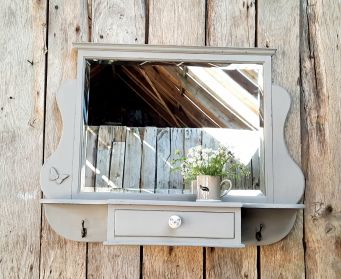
(142, 118)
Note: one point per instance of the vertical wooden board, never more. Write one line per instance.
(208, 139)
(107, 262)
(132, 164)
(117, 157)
(61, 258)
(104, 148)
(231, 263)
(193, 137)
(172, 262)
(231, 23)
(273, 18)
(120, 22)
(177, 22)
(68, 23)
(23, 28)
(238, 259)
(90, 158)
(255, 172)
(176, 181)
(162, 160)
(271, 255)
(321, 129)
(148, 169)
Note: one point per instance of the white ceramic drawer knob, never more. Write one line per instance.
(174, 221)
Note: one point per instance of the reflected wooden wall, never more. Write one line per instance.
(37, 55)
(146, 159)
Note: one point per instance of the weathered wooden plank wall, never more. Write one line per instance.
(146, 159)
(321, 93)
(307, 64)
(22, 68)
(273, 18)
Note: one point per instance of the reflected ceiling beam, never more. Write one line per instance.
(192, 109)
(243, 80)
(133, 76)
(145, 75)
(136, 78)
(147, 91)
(202, 98)
(149, 101)
(228, 92)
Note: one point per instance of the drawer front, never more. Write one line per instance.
(153, 223)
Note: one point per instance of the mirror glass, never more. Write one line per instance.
(150, 126)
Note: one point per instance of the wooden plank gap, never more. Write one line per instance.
(146, 38)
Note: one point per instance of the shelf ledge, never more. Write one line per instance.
(172, 203)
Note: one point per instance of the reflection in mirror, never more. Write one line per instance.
(142, 118)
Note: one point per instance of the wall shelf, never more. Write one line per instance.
(172, 203)
(145, 222)
(86, 200)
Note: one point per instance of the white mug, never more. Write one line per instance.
(209, 188)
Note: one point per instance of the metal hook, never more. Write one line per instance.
(84, 230)
(259, 236)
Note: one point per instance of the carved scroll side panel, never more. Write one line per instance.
(56, 174)
(288, 177)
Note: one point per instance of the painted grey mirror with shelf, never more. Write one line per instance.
(130, 116)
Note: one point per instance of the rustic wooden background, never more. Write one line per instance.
(36, 55)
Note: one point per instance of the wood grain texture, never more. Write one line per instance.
(68, 23)
(22, 39)
(192, 138)
(273, 18)
(117, 157)
(177, 22)
(231, 23)
(231, 263)
(321, 91)
(289, 252)
(172, 262)
(162, 159)
(240, 262)
(148, 170)
(132, 164)
(118, 21)
(104, 149)
(107, 262)
(91, 158)
(176, 181)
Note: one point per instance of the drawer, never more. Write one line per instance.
(154, 223)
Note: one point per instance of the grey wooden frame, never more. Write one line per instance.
(186, 54)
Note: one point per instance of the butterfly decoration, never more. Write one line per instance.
(204, 188)
(55, 176)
